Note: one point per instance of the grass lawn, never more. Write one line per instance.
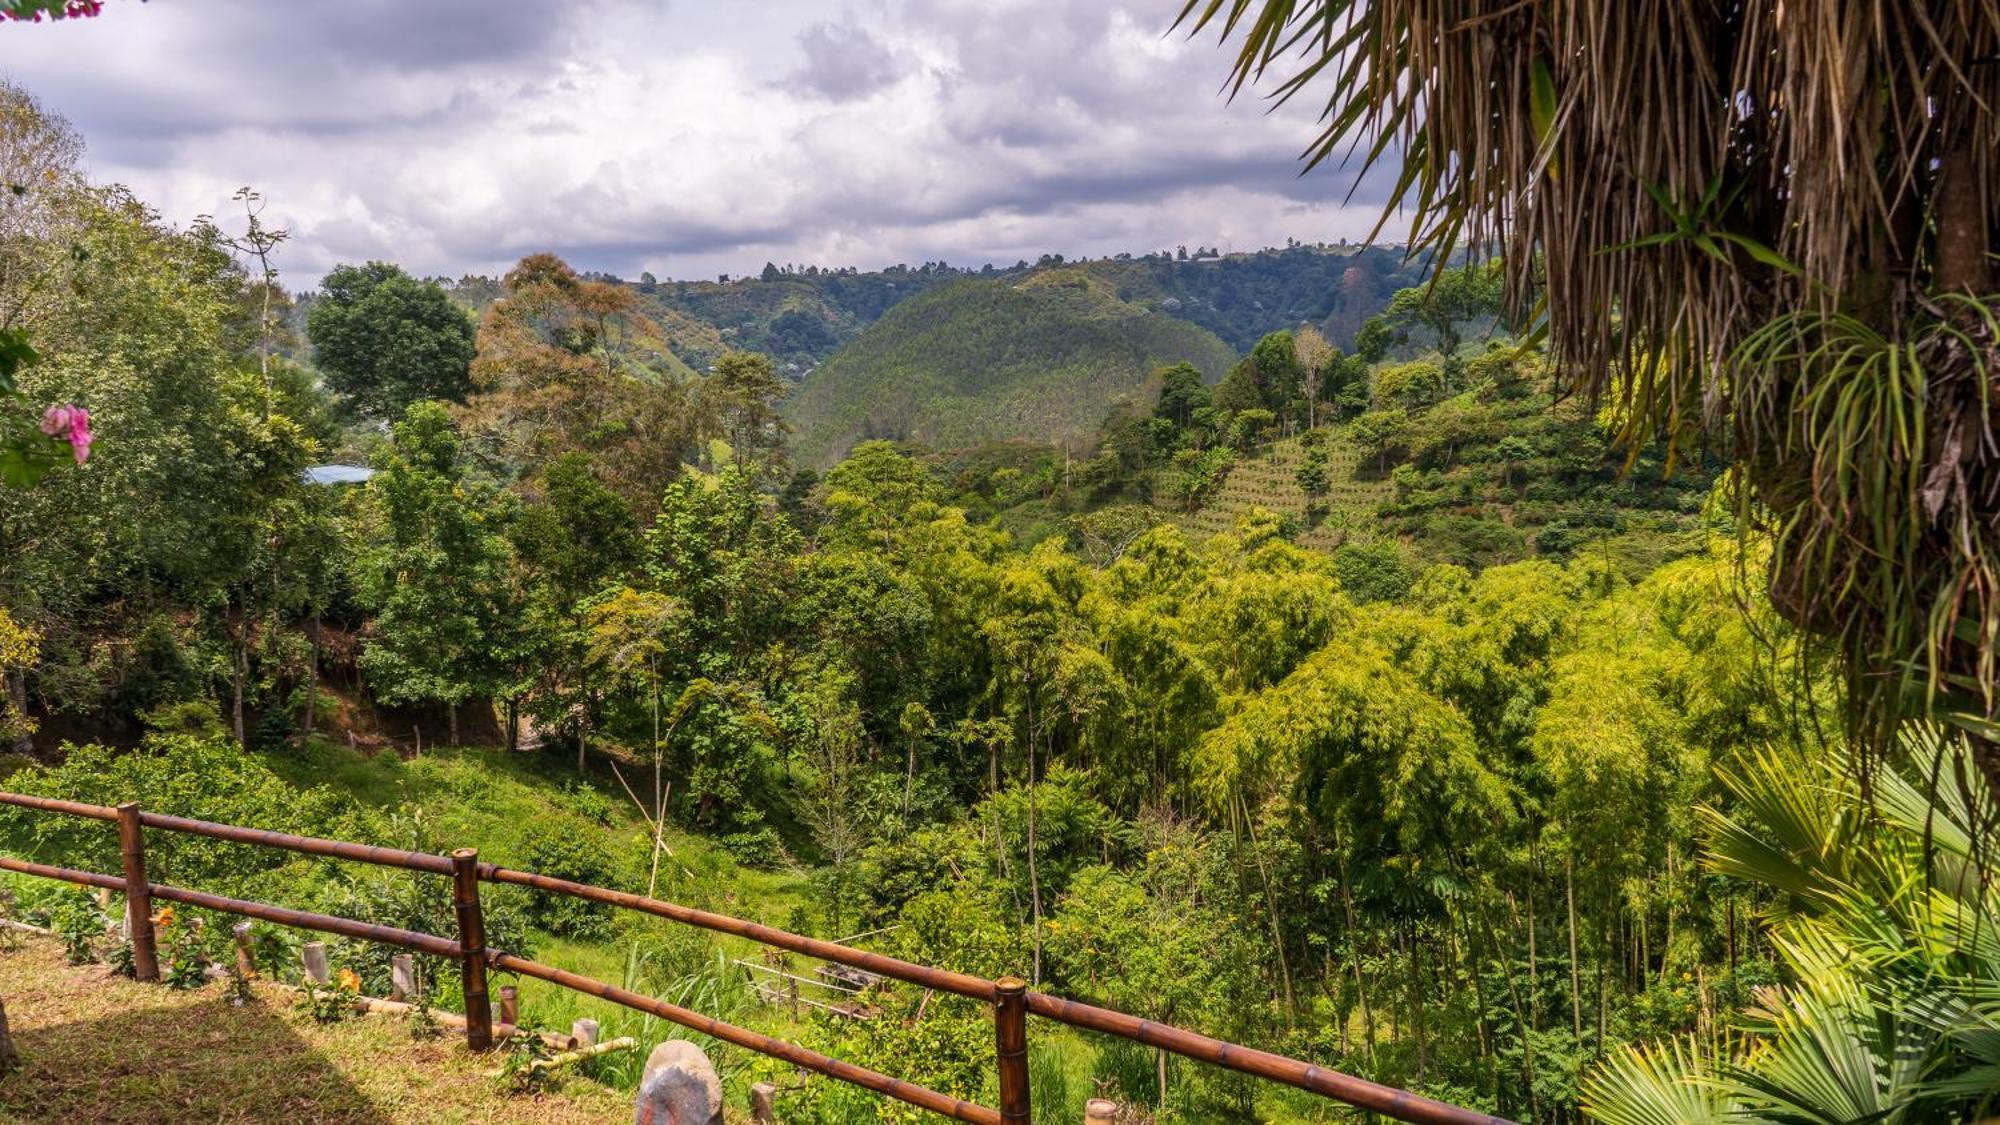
(95, 1047)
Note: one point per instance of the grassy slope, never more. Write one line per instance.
(99, 1048)
(979, 360)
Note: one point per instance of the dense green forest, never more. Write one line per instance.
(1472, 759)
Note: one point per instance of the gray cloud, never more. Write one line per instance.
(456, 135)
(843, 61)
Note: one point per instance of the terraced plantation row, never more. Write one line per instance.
(1267, 479)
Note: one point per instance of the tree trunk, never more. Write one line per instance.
(1575, 971)
(1034, 873)
(513, 724)
(1417, 1002)
(1524, 1018)
(451, 723)
(1271, 903)
(909, 776)
(312, 681)
(239, 671)
(1354, 957)
(17, 699)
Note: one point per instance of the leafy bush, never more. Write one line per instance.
(564, 849)
(186, 718)
(78, 923)
(210, 779)
(583, 800)
(761, 847)
(274, 729)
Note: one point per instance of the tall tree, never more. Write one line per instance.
(433, 575)
(744, 392)
(567, 364)
(386, 340)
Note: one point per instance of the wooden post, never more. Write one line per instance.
(764, 1104)
(510, 1005)
(138, 897)
(1097, 1111)
(1010, 1033)
(246, 957)
(313, 953)
(471, 948)
(583, 1033)
(402, 976)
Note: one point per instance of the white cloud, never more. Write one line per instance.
(686, 139)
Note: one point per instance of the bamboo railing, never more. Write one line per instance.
(1011, 999)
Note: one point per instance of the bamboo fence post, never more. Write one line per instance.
(471, 948)
(583, 1033)
(402, 976)
(313, 954)
(138, 896)
(510, 1005)
(1010, 1033)
(1098, 1111)
(764, 1104)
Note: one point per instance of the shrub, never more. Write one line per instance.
(186, 718)
(582, 800)
(79, 923)
(565, 849)
(273, 730)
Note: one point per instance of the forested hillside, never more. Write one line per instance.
(1041, 358)
(801, 315)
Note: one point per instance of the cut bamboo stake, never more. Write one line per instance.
(374, 1006)
(622, 1043)
(764, 1104)
(246, 957)
(510, 1005)
(313, 954)
(138, 894)
(583, 1033)
(1097, 1111)
(402, 976)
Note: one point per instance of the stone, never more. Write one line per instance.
(680, 1087)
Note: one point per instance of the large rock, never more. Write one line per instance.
(680, 1087)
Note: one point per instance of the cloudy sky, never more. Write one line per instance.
(685, 137)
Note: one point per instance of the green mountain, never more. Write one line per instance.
(801, 316)
(1040, 358)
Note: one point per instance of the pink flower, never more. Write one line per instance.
(71, 424)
